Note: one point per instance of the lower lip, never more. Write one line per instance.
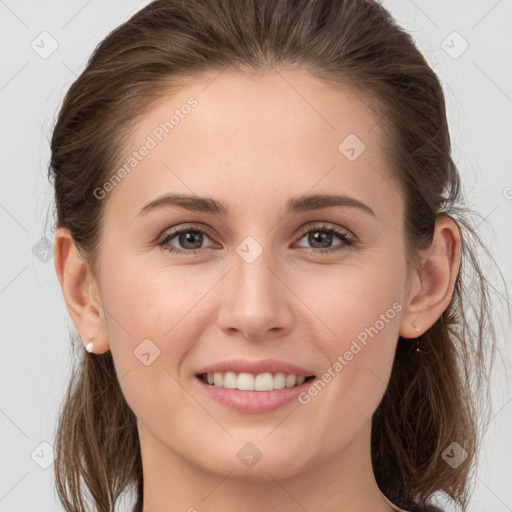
(253, 401)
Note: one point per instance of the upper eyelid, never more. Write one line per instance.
(187, 227)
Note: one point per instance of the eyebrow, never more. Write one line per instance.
(213, 206)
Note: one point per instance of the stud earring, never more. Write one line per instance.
(415, 328)
(89, 345)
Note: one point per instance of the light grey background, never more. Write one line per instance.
(35, 326)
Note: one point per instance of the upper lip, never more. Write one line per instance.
(255, 367)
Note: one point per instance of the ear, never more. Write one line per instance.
(80, 291)
(431, 285)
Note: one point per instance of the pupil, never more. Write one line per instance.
(190, 237)
(320, 236)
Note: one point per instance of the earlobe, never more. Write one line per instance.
(433, 283)
(79, 290)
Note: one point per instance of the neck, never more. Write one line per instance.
(343, 483)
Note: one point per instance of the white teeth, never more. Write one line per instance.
(249, 382)
(218, 379)
(264, 382)
(290, 381)
(245, 382)
(230, 380)
(279, 380)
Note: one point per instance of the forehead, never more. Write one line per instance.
(269, 136)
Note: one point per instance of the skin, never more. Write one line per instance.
(254, 143)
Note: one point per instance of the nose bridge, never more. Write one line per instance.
(257, 302)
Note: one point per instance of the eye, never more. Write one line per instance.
(189, 239)
(321, 237)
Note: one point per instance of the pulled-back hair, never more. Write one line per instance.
(433, 398)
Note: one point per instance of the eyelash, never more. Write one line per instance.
(347, 240)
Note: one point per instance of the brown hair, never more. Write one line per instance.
(432, 398)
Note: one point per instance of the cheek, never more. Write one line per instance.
(144, 302)
(362, 311)
(358, 310)
(152, 322)
(347, 302)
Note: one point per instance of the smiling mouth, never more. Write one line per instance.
(244, 381)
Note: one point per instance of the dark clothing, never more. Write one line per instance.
(417, 508)
(426, 508)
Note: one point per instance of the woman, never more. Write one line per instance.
(261, 243)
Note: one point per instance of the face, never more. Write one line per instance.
(267, 274)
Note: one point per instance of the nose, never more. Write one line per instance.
(255, 301)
